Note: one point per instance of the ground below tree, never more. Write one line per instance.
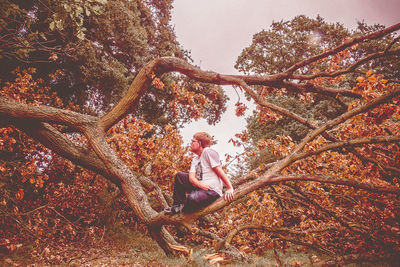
(124, 247)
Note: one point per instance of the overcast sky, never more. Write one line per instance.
(216, 31)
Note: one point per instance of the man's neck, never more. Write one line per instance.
(198, 152)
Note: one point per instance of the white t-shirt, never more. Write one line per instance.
(202, 167)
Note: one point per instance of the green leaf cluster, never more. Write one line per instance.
(288, 42)
(99, 46)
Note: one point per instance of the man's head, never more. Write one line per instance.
(200, 141)
(204, 139)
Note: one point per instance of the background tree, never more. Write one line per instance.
(82, 55)
(288, 42)
(89, 47)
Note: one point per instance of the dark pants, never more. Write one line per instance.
(196, 198)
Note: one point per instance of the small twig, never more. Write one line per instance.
(25, 213)
(104, 231)
(59, 214)
(391, 44)
(278, 260)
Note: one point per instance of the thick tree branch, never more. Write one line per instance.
(369, 105)
(28, 118)
(141, 83)
(149, 185)
(261, 101)
(57, 142)
(170, 64)
(11, 109)
(118, 169)
(266, 178)
(187, 219)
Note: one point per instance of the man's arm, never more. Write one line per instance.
(196, 183)
(228, 196)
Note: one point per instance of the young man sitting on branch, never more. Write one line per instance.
(204, 182)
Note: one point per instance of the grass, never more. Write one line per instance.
(122, 246)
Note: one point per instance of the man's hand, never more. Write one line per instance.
(203, 186)
(196, 183)
(228, 196)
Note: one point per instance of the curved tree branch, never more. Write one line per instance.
(338, 181)
(57, 142)
(243, 190)
(347, 143)
(171, 64)
(346, 44)
(369, 105)
(349, 69)
(11, 109)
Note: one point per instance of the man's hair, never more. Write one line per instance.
(204, 138)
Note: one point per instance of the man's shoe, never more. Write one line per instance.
(175, 209)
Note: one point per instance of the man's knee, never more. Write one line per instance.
(202, 196)
(196, 196)
(198, 199)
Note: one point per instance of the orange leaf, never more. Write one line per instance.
(360, 79)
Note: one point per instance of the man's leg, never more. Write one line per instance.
(182, 186)
(198, 199)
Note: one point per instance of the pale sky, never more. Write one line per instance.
(216, 31)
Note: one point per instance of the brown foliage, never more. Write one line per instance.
(334, 190)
